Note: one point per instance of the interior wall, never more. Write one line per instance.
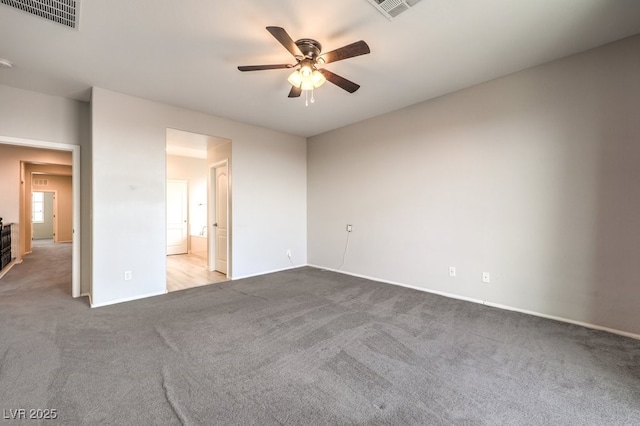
(193, 170)
(532, 177)
(129, 184)
(30, 115)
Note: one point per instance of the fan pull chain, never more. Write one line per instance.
(306, 96)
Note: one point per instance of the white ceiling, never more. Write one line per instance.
(187, 144)
(185, 52)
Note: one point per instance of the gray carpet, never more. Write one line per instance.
(299, 347)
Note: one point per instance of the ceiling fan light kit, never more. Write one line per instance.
(307, 52)
(307, 77)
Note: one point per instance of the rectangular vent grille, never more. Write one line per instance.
(62, 12)
(41, 182)
(393, 8)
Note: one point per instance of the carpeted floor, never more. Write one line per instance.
(299, 347)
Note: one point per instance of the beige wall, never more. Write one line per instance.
(10, 158)
(533, 177)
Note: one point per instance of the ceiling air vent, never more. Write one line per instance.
(62, 12)
(393, 8)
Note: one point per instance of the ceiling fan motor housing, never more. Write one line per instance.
(309, 47)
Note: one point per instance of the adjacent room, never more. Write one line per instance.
(189, 192)
(37, 189)
(365, 212)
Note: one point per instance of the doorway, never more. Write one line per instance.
(43, 215)
(75, 179)
(188, 160)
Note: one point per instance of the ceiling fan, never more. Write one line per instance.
(308, 54)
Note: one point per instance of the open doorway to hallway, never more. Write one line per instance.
(51, 167)
(190, 230)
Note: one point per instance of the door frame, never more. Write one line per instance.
(75, 189)
(211, 215)
(54, 213)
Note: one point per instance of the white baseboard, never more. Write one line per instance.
(439, 293)
(269, 272)
(567, 320)
(126, 299)
(493, 305)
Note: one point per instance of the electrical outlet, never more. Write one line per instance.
(289, 253)
(128, 275)
(349, 228)
(452, 271)
(486, 278)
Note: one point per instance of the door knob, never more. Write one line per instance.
(215, 224)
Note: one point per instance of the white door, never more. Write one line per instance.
(221, 218)
(177, 231)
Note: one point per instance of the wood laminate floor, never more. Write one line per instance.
(188, 270)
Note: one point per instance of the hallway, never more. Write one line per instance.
(48, 267)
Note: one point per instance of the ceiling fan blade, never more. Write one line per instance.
(295, 92)
(341, 82)
(281, 35)
(264, 67)
(349, 51)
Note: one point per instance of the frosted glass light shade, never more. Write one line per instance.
(317, 78)
(306, 79)
(295, 79)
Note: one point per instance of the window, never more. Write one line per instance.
(37, 215)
